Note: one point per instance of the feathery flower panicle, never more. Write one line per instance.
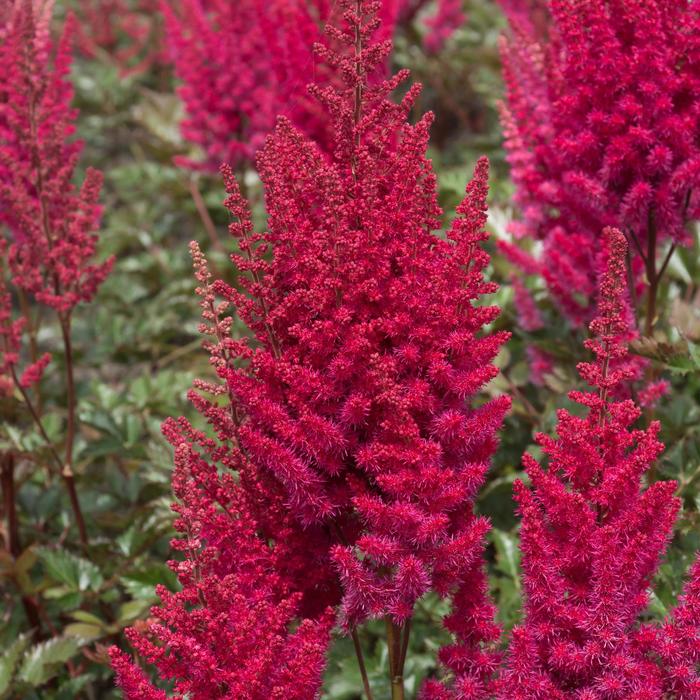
(358, 395)
(352, 416)
(227, 632)
(51, 225)
(602, 125)
(46, 254)
(592, 537)
(241, 64)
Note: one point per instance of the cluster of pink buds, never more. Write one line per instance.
(602, 125)
(51, 225)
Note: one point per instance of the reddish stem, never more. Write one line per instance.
(7, 478)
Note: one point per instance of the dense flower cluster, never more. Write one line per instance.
(616, 144)
(241, 64)
(51, 225)
(48, 256)
(368, 340)
(351, 418)
(592, 539)
(227, 632)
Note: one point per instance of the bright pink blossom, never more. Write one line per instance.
(592, 537)
(356, 397)
(228, 632)
(51, 225)
(602, 126)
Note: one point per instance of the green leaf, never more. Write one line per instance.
(508, 554)
(83, 631)
(84, 616)
(64, 567)
(43, 661)
(132, 610)
(8, 662)
(656, 607)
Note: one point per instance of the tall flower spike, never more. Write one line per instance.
(51, 225)
(49, 246)
(353, 414)
(617, 144)
(591, 536)
(358, 398)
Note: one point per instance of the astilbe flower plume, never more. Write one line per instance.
(351, 416)
(592, 538)
(226, 633)
(602, 129)
(51, 225)
(357, 398)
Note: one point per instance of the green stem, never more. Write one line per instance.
(361, 664)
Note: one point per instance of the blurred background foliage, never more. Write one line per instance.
(139, 350)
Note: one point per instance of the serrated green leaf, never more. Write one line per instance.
(64, 567)
(8, 662)
(43, 661)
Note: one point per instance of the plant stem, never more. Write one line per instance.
(397, 642)
(67, 468)
(70, 484)
(361, 664)
(9, 504)
(7, 478)
(652, 277)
